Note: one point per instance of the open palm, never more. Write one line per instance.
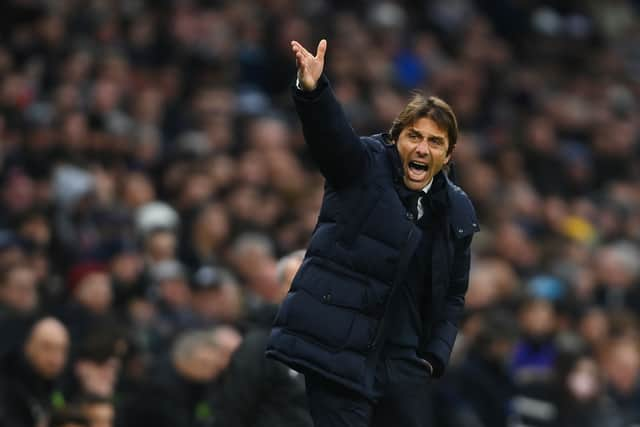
(309, 66)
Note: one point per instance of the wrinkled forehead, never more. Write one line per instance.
(427, 127)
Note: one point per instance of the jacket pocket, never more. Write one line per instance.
(328, 303)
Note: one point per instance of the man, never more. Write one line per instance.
(483, 384)
(28, 378)
(258, 392)
(262, 313)
(96, 367)
(18, 303)
(171, 296)
(18, 290)
(621, 365)
(216, 297)
(373, 311)
(91, 298)
(286, 270)
(181, 391)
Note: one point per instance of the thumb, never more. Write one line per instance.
(322, 48)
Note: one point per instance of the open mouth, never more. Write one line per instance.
(418, 166)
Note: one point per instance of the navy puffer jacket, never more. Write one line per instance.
(332, 321)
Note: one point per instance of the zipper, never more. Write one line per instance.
(394, 286)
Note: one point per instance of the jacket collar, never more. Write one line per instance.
(462, 215)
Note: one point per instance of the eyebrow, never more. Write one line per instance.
(431, 137)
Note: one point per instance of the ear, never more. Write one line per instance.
(447, 159)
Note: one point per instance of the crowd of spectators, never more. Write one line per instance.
(153, 173)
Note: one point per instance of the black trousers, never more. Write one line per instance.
(403, 399)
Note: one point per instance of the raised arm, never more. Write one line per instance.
(335, 147)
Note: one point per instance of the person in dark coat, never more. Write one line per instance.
(18, 304)
(95, 364)
(29, 377)
(373, 312)
(258, 392)
(181, 391)
(580, 395)
(484, 381)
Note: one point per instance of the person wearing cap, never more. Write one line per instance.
(216, 296)
(373, 312)
(89, 286)
(171, 297)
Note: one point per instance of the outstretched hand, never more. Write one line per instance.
(309, 67)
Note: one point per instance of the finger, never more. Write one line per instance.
(300, 59)
(301, 48)
(322, 48)
(296, 49)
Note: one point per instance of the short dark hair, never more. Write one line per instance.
(430, 107)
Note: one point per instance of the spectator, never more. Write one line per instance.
(19, 301)
(181, 393)
(216, 297)
(97, 364)
(581, 398)
(287, 268)
(29, 385)
(126, 267)
(210, 229)
(18, 290)
(622, 370)
(90, 305)
(264, 313)
(483, 381)
(171, 296)
(535, 353)
(160, 245)
(259, 392)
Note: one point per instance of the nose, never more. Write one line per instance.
(422, 149)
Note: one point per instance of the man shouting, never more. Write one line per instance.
(372, 313)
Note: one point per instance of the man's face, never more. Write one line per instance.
(94, 292)
(98, 378)
(223, 303)
(622, 367)
(423, 148)
(203, 365)
(46, 349)
(19, 291)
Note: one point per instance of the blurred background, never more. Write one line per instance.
(155, 188)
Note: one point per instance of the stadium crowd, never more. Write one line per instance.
(155, 193)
